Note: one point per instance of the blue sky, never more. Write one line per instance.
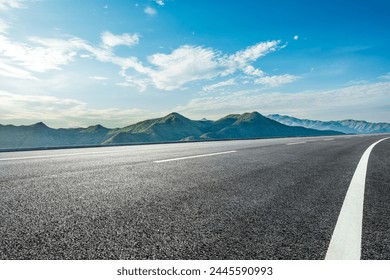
(78, 63)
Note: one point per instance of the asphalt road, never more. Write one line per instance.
(262, 199)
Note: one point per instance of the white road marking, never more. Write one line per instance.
(196, 156)
(328, 139)
(295, 143)
(63, 155)
(347, 235)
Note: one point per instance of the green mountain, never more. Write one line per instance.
(40, 135)
(173, 127)
(255, 125)
(26, 136)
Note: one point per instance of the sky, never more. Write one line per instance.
(79, 63)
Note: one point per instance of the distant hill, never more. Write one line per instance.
(255, 125)
(173, 127)
(40, 135)
(345, 126)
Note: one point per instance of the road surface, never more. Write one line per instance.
(246, 199)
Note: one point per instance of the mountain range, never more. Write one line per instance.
(170, 128)
(344, 126)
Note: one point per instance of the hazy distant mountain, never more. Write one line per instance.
(173, 127)
(345, 126)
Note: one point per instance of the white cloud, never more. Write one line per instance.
(296, 37)
(274, 81)
(386, 76)
(107, 55)
(150, 11)
(130, 81)
(163, 71)
(110, 40)
(101, 54)
(358, 102)
(129, 62)
(252, 53)
(55, 111)
(8, 4)
(252, 71)
(3, 26)
(47, 54)
(98, 78)
(44, 54)
(160, 2)
(241, 59)
(35, 107)
(357, 82)
(183, 65)
(14, 72)
(229, 82)
(194, 63)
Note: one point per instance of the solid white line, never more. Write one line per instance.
(347, 235)
(295, 143)
(329, 139)
(63, 155)
(196, 156)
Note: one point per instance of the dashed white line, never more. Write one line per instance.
(296, 143)
(195, 156)
(328, 139)
(347, 235)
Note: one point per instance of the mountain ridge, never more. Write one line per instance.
(170, 128)
(348, 126)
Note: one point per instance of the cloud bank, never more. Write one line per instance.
(163, 71)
